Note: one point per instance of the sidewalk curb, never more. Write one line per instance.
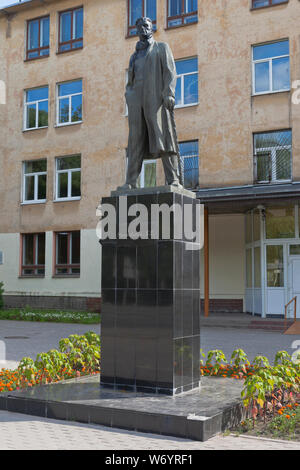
(280, 441)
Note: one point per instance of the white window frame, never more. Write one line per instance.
(272, 151)
(58, 98)
(270, 61)
(28, 103)
(36, 175)
(69, 172)
(181, 78)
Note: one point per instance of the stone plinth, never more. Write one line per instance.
(150, 331)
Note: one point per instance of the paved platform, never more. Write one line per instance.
(22, 432)
(197, 415)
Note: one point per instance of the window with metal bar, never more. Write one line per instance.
(182, 12)
(67, 253)
(33, 254)
(273, 157)
(189, 155)
(38, 37)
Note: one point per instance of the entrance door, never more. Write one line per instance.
(295, 284)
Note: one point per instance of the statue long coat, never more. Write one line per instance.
(159, 82)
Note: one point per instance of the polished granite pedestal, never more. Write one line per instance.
(199, 414)
(150, 327)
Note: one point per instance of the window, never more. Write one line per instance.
(38, 38)
(273, 156)
(182, 12)
(275, 272)
(33, 254)
(266, 3)
(70, 30)
(67, 253)
(147, 178)
(35, 181)
(36, 108)
(137, 9)
(190, 163)
(187, 82)
(271, 67)
(69, 106)
(1, 257)
(280, 222)
(68, 177)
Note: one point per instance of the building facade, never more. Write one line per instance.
(63, 137)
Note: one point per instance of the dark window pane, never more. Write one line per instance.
(68, 163)
(63, 110)
(151, 9)
(136, 11)
(75, 248)
(65, 47)
(191, 6)
(41, 248)
(175, 7)
(36, 166)
(31, 116)
(65, 26)
(29, 188)
(62, 185)
(33, 34)
(76, 177)
(45, 32)
(28, 247)
(42, 185)
(62, 248)
(78, 33)
(77, 44)
(43, 114)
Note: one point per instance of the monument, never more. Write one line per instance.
(150, 332)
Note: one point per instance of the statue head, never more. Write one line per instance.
(144, 28)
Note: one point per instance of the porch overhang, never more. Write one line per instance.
(240, 199)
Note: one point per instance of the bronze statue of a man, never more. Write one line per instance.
(150, 97)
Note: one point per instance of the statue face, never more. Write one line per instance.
(144, 30)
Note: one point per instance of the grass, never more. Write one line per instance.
(55, 316)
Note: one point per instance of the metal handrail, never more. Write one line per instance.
(294, 299)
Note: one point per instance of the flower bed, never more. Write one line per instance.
(77, 355)
(271, 394)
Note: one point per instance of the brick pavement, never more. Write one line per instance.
(21, 432)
